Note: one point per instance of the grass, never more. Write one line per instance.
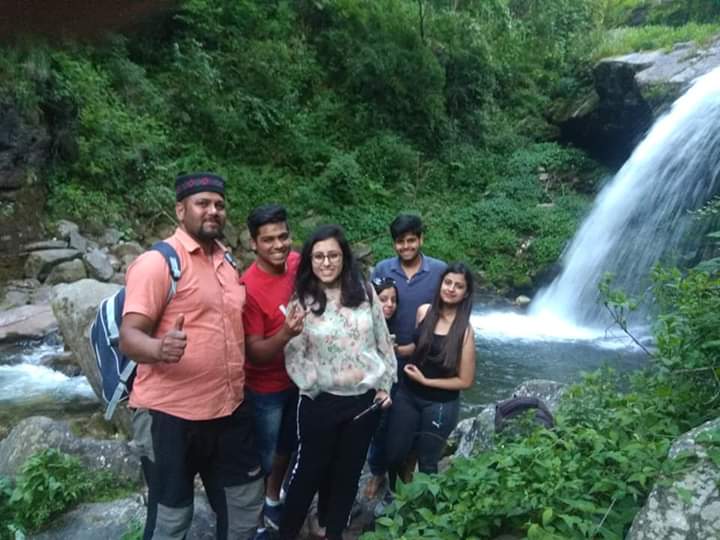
(630, 39)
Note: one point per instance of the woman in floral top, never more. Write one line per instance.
(343, 363)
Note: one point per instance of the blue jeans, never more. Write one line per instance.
(275, 423)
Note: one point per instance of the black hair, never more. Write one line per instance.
(307, 285)
(262, 215)
(381, 284)
(406, 223)
(452, 347)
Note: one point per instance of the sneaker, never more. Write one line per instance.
(272, 515)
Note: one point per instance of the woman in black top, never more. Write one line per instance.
(426, 407)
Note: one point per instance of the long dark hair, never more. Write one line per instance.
(452, 347)
(307, 285)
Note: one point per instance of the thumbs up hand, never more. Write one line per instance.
(173, 343)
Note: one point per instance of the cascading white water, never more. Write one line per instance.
(642, 216)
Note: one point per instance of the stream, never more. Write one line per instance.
(511, 348)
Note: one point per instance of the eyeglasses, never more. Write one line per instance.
(383, 281)
(332, 257)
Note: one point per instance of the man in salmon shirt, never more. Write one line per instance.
(190, 413)
(270, 282)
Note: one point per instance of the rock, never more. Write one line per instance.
(41, 295)
(115, 263)
(114, 519)
(127, 260)
(477, 434)
(19, 292)
(75, 306)
(39, 263)
(550, 392)
(124, 249)
(37, 433)
(687, 505)
(522, 301)
(118, 279)
(363, 252)
(64, 228)
(45, 244)
(245, 240)
(63, 362)
(67, 272)
(629, 93)
(110, 237)
(33, 321)
(98, 265)
(77, 241)
(231, 236)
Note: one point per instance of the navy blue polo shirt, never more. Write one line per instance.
(412, 293)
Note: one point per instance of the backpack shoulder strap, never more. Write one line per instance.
(173, 262)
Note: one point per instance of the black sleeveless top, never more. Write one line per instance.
(432, 368)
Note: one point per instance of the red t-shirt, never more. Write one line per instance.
(262, 317)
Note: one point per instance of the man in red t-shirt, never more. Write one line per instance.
(270, 282)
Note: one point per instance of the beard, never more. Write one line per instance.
(211, 234)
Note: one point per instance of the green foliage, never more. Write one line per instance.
(585, 479)
(48, 484)
(588, 477)
(628, 39)
(688, 327)
(348, 111)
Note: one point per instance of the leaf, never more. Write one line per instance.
(547, 516)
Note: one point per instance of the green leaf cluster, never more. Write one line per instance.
(49, 483)
(588, 477)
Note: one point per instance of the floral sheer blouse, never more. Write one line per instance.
(344, 351)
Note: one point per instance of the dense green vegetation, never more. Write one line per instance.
(49, 483)
(588, 477)
(345, 111)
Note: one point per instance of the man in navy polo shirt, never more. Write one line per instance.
(416, 278)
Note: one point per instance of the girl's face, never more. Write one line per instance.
(327, 261)
(453, 288)
(388, 301)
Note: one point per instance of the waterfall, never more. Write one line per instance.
(643, 215)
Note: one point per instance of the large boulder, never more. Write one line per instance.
(40, 263)
(32, 321)
(38, 433)
(688, 505)
(98, 265)
(67, 272)
(75, 306)
(629, 93)
(477, 434)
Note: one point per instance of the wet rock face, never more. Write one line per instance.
(24, 151)
(630, 92)
(689, 505)
(477, 434)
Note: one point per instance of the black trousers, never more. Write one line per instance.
(421, 425)
(222, 451)
(330, 457)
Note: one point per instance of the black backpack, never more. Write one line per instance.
(506, 411)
